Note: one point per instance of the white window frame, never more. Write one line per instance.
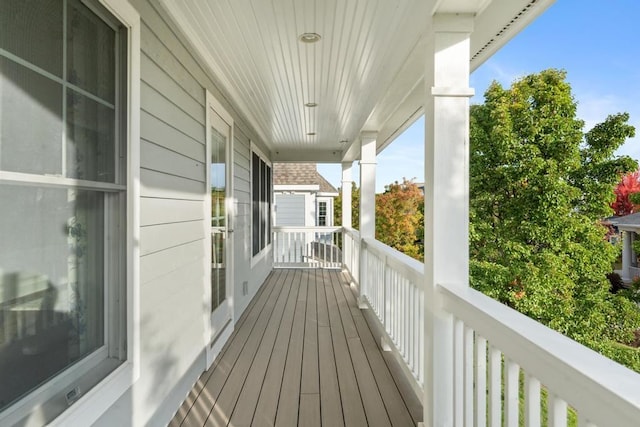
(213, 342)
(326, 212)
(257, 258)
(95, 401)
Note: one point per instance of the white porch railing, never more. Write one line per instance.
(391, 285)
(634, 272)
(307, 247)
(351, 253)
(504, 362)
(497, 350)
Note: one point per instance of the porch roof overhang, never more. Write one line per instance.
(629, 222)
(364, 74)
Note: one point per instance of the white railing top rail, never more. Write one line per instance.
(602, 391)
(352, 231)
(409, 267)
(289, 229)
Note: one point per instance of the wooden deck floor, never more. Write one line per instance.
(301, 355)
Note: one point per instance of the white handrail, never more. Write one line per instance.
(307, 247)
(601, 391)
(351, 253)
(390, 284)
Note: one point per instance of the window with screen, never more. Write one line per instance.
(322, 213)
(261, 200)
(63, 194)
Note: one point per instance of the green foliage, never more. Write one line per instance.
(636, 246)
(600, 170)
(355, 207)
(400, 218)
(538, 189)
(635, 198)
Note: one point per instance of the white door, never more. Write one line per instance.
(219, 155)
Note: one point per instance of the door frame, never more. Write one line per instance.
(215, 339)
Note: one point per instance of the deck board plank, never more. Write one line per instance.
(248, 399)
(394, 399)
(201, 408)
(371, 398)
(310, 376)
(267, 407)
(348, 325)
(288, 404)
(352, 406)
(227, 395)
(321, 299)
(309, 410)
(330, 401)
(291, 362)
(184, 409)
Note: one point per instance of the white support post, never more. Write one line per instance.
(346, 194)
(446, 203)
(634, 255)
(368, 185)
(367, 203)
(627, 251)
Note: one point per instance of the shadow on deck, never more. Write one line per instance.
(301, 355)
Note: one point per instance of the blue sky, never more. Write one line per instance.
(597, 42)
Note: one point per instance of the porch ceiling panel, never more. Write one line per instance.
(365, 73)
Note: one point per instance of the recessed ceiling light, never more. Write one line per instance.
(309, 37)
(311, 104)
(311, 133)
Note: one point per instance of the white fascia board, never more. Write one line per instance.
(287, 187)
(320, 194)
(628, 227)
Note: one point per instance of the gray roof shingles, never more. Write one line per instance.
(300, 174)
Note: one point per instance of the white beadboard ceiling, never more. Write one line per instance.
(365, 73)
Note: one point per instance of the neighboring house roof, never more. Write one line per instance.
(301, 174)
(631, 221)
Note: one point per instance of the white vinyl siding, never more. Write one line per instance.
(290, 210)
(63, 187)
(172, 242)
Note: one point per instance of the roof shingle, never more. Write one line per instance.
(300, 174)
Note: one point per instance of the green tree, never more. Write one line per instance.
(400, 218)
(538, 187)
(355, 207)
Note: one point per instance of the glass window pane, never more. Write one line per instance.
(90, 52)
(263, 200)
(218, 270)
(255, 202)
(269, 204)
(32, 30)
(51, 283)
(30, 121)
(218, 178)
(90, 139)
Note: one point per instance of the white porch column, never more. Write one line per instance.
(346, 194)
(368, 185)
(634, 255)
(367, 225)
(446, 202)
(627, 251)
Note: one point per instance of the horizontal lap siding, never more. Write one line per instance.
(172, 236)
(172, 161)
(242, 223)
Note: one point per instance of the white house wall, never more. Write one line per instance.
(172, 245)
(290, 210)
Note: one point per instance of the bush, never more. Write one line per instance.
(623, 354)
